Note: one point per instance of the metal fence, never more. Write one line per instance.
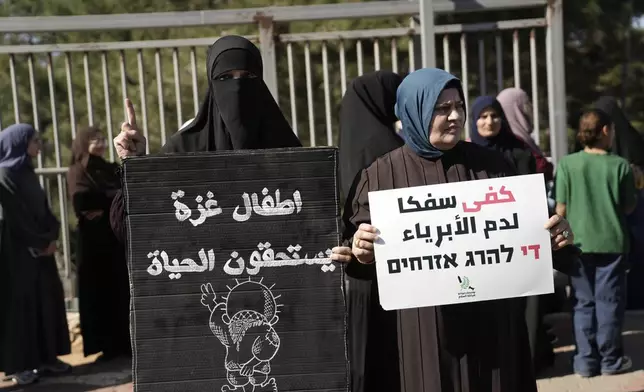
(55, 81)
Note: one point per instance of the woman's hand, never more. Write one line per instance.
(130, 142)
(560, 232)
(91, 215)
(50, 250)
(341, 254)
(638, 175)
(363, 241)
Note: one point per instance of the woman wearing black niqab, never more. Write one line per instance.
(367, 131)
(237, 113)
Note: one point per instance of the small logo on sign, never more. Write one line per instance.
(467, 291)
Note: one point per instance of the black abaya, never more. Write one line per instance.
(366, 132)
(104, 293)
(33, 324)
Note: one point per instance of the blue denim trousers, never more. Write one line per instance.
(599, 284)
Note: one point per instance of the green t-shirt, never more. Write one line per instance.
(596, 189)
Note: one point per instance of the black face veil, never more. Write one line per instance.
(237, 113)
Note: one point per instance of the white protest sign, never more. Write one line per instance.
(462, 242)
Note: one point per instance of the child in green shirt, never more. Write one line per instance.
(595, 192)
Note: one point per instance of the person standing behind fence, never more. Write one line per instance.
(518, 111)
(595, 191)
(367, 131)
(628, 143)
(33, 322)
(238, 113)
(104, 292)
(479, 346)
(489, 128)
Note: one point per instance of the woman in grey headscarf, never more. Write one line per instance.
(33, 322)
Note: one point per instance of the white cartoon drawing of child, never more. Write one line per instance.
(243, 322)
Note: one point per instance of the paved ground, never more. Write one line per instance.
(560, 379)
(115, 376)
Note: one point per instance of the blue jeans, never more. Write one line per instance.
(599, 283)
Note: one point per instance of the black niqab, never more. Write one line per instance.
(628, 142)
(236, 114)
(367, 123)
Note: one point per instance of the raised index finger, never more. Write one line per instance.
(131, 115)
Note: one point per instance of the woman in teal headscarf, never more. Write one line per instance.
(480, 346)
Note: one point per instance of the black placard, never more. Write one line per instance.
(232, 285)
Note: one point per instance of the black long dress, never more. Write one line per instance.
(367, 132)
(519, 155)
(104, 294)
(33, 321)
(473, 347)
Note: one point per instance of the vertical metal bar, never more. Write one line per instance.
(70, 93)
(195, 90)
(446, 53)
(555, 60)
(62, 189)
(411, 49)
(499, 62)
(269, 58)
(464, 78)
(108, 107)
(327, 95)
(376, 54)
(482, 68)
(143, 109)
(359, 55)
(309, 92)
(123, 83)
(343, 68)
(428, 40)
(177, 85)
(291, 86)
(14, 87)
(157, 65)
(394, 55)
(88, 90)
(516, 59)
(34, 105)
(535, 86)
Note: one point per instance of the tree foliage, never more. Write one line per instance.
(599, 42)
